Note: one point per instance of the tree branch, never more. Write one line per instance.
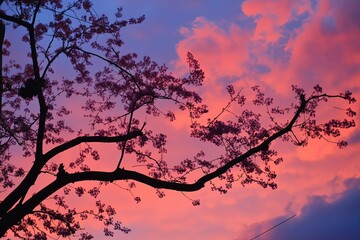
(100, 139)
(37, 8)
(30, 178)
(122, 174)
(41, 98)
(108, 61)
(2, 36)
(14, 20)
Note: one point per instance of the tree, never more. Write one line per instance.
(117, 89)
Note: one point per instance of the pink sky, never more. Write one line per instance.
(274, 44)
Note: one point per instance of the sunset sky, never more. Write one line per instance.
(274, 44)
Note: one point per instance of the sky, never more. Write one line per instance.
(274, 44)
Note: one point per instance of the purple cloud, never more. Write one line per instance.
(319, 218)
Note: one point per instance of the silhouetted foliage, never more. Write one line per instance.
(116, 89)
(30, 89)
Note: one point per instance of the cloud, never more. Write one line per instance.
(314, 45)
(297, 42)
(271, 16)
(326, 49)
(323, 217)
(290, 42)
(214, 47)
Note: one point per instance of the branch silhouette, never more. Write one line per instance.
(115, 91)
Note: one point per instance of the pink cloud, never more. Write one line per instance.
(213, 46)
(323, 49)
(270, 16)
(292, 42)
(327, 50)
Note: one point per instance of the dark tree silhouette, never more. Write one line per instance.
(117, 89)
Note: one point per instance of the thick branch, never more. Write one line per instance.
(14, 20)
(2, 36)
(122, 174)
(41, 99)
(64, 178)
(31, 177)
(29, 180)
